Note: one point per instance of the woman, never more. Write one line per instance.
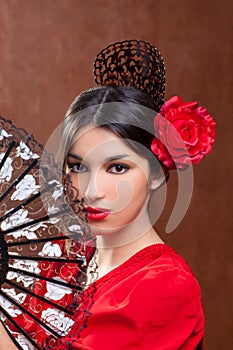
(145, 295)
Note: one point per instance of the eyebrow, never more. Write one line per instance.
(71, 155)
(118, 156)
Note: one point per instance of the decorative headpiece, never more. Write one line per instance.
(184, 131)
(132, 63)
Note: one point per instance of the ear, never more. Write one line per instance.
(157, 179)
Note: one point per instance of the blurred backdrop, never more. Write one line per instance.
(47, 48)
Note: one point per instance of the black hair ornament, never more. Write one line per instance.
(184, 131)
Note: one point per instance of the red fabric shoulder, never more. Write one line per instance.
(152, 301)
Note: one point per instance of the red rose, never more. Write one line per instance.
(184, 133)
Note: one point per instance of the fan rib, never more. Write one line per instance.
(42, 258)
(37, 296)
(18, 179)
(34, 241)
(11, 319)
(15, 247)
(54, 281)
(22, 205)
(44, 325)
(36, 221)
(12, 144)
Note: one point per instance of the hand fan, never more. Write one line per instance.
(42, 255)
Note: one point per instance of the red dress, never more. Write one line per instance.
(151, 301)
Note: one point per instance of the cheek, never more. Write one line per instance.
(140, 189)
(131, 191)
(119, 191)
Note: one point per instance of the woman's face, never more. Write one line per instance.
(111, 177)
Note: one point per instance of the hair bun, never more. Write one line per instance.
(132, 63)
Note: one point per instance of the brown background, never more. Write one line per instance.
(46, 52)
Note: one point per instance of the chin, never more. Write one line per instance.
(102, 230)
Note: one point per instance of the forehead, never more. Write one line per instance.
(100, 143)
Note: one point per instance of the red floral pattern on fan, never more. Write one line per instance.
(195, 137)
(44, 246)
(60, 321)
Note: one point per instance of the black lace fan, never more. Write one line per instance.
(42, 269)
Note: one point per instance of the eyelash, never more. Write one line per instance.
(124, 167)
(73, 165)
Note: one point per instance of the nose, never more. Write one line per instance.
(93, 189)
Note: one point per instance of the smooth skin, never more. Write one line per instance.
(110, 175)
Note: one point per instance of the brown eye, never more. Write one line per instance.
(118, 169)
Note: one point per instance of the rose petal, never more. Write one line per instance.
(184, 131)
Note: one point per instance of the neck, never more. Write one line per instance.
(110, 256)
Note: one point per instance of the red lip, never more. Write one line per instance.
(96, 213)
